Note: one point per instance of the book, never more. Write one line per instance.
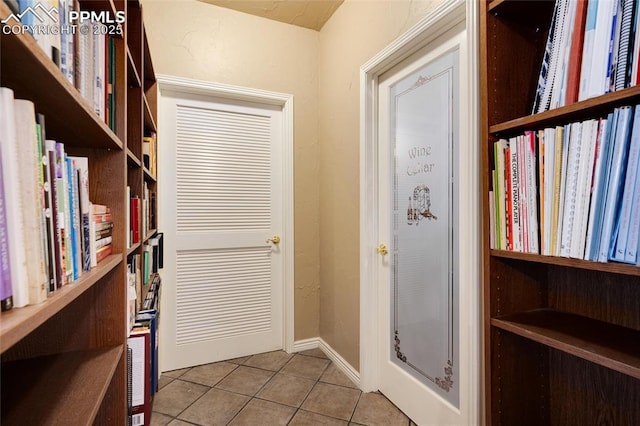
(30, 192)
(74, 219)
(56, 241)
(11, 177)
(570, 189)
(6, 293)
(615, 180)
(626, 43)
(82, 165)
(150, 319)
(597, 191)
(63, 211)
(550, 58)
(47, 205)
(575, 58)
(103, 252)
(514, 195)
(588, 50)
(563, 184)
(556, 224)
(633, 241)
(583, 187)
(139, 341)
(135, 219)
(619, 249)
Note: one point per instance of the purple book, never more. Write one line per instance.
(6, 294)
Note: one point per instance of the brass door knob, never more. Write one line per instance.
(382, 249)
(274, 240)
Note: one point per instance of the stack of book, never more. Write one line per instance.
(102, 227)
(86, 59)
(570, 191)
(45, 214)
(593, 48)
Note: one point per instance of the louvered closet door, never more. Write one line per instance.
(224, 292)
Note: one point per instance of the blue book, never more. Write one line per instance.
(150, 317)
(616, 180)
(631, 254)
(598, 190)
(73, 214)
(619, 248)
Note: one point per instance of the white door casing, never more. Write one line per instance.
(438, 29)
(217, 232)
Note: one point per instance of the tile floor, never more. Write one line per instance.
(273, 388)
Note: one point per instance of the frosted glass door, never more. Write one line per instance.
(424, 294)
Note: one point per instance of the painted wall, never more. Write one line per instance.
(201, 41)
(357, 31)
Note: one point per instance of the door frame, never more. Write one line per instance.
(441, 19)
(258, 96)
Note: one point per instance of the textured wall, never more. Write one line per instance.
(357, 31)
(201, 41)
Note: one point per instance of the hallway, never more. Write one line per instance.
(273, 388)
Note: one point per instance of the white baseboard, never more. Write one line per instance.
(341, 363)
(305, 344)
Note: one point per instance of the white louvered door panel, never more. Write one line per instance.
(225, 189)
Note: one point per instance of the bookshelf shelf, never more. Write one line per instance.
(133, 249)
(611, 346)
(148, 176)
(150, 234)
(562, 335)
(134, 77)
(149, 122)
(19, 322)
(78, 382)
(132, 159)
(590, 108)
(616, 268)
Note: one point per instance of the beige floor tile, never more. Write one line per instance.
(175, 373)
(269, 361)
(288, 390)
(305, 366)
(307, 418)
(259, 412)
(159, 419)
(334, 376)
(164, 381)
(245, 380)
(332, 400)
(177, 396)
(178, 422)
(317, 352)
(209, 374)
(216, 407)
(240, 360)
(375, 409)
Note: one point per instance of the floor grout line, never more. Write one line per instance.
(273, 373)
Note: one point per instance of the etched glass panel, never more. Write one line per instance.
(424, 296)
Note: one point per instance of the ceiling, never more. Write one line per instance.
(304, 13)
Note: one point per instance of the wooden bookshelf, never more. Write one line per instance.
(64, 360)
(561, 335)
(75, 396)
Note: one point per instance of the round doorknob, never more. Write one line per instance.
(274, 240)
(382, 249)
